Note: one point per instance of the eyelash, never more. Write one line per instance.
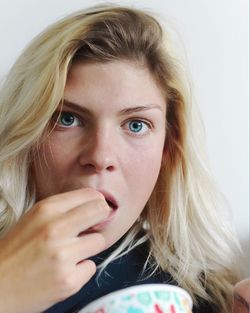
(58, 115)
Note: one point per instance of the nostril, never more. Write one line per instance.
(97, 168)
(110, 168)
(88, 168)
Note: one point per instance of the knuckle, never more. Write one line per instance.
(87, 271)
(70, 285)
(39, 209)
(49, 231)
(69, 282)
(66, 283)
(91, 267)
(43, 208)
(58, 256)
(82, 277)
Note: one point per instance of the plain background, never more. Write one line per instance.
(214, 36)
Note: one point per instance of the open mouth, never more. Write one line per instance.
(110, 199)
(111, 203)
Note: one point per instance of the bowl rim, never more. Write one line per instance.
(142, 288)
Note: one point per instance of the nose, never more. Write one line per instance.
(98, 152)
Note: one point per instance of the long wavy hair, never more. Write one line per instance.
(188, 237)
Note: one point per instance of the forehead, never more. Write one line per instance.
(113, 83)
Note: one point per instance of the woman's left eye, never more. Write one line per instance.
(67, 119)
(138, 126)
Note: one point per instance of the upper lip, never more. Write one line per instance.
(110, 199)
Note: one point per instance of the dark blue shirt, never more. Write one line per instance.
(121, 273)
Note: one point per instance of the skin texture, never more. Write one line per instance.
(109, 146)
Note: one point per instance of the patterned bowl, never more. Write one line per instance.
(148, 298)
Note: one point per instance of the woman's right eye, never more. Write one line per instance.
(67, 120)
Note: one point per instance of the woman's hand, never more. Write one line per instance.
(43, 260)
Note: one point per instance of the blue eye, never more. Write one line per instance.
(138, 126)
(135, 126)
(67, 119)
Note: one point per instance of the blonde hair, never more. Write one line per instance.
(182, 220)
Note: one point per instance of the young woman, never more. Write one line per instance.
(102, 166)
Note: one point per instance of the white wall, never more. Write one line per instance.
(215, 34)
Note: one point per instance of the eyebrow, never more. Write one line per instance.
(124, 111)
(140, 109)
(75, 106)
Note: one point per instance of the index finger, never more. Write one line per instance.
(66, 201)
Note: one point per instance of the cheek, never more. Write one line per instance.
(58, 154)
(141, 180)
(48, 161)
(144, 170)
(51, 167)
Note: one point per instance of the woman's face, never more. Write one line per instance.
(109, 136)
